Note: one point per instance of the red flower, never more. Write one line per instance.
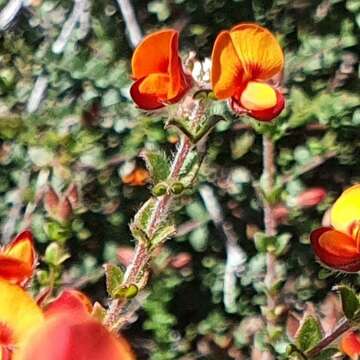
(157, 71)
(338, 246)
(18, 259)
(350, 345)
(244, 59)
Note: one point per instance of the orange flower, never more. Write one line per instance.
(17, 259)
(338, 246)
(138, 177)
(65, 331)
(243, 60)
(350, 345)
(157, 71)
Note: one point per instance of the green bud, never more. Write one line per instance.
(159, 189)
(128, 292)
(177, 188)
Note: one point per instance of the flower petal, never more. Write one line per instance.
(18, 311)
(258, 96)
(350, 344)
(258, 50)
(346, 210)
(145, 101)
(22, 248)
(226, 72)
(152, 55)
(69, 301)
(14, 270)
(335, 249)
(74, 338)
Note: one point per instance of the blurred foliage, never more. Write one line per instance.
(86, 131)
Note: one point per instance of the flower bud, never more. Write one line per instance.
(177, 188)
(159, 189)
(311, 197)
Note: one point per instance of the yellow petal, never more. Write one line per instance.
(345, 213)
(258, 50)
(258, 96)
(18, 311)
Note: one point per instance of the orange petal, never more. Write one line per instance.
(335, 249)
(350, 345)
(156, 84)
(258, 50)
(346, 210)
(74, 338)
(69, 301)
(145, 101)
(226, 72)
(152, 55)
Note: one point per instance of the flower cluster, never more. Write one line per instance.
(246, 61)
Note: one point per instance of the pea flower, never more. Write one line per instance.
(63, 330)
(18, 259)
(158, 72)
(338, 246)
(244, 60)
(350, 345)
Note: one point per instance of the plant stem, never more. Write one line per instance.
(343, 326)
(270, 227)
(142, 255)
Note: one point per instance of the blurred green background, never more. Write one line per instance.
(66, 116)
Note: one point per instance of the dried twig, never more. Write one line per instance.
(37, 94)
(80, 15)
(9, 12)
(132, 26)
(236, 257)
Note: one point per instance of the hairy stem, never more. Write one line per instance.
(343, 326)
(142, 255)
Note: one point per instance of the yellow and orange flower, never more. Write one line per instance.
(18, 259)
(338, 246)
(350, 345)
(158, 72)
(244, 60)
(65, 330)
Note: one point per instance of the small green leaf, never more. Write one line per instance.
(349, 300)
(128, 292)
(143, 216)
(162, 234)
(55, 255)
(326, 354)
(157, 164)
(262, 241)
(190, 169)
(114, 277)
(309, 333)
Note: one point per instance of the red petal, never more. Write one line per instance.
(75, 338)
(350, 344)
(335, 250)
(145, 101)
(69, 301)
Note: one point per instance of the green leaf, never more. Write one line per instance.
(142, 217)
(127, 292)
(98, 312)
(55, 255)
(309, 333)
(162, 234)
(114, 277)
(157, 164)
(262, 241)
(190, 169)
(326, 354)
(349, 300)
